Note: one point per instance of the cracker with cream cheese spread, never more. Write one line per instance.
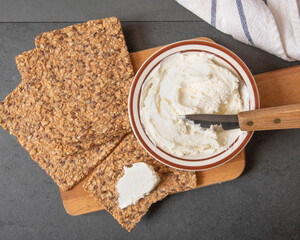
(102, 183)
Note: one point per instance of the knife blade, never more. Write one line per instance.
(206, 120)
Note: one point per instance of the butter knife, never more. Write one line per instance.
(283, 117)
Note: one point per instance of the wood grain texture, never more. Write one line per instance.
(279, 87)
(282, 117)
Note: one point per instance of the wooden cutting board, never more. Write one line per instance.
(276, 88)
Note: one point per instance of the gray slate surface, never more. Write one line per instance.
(83, 10)
(264, 203)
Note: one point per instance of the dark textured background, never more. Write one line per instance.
(264, 203)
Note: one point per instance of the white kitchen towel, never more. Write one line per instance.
(272, 25)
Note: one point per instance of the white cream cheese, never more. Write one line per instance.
(137, 181)
(189, 83)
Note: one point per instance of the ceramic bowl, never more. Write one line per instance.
(225, 58)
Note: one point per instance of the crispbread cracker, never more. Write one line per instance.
(72, 100)
(91, 62)
(60, 124)
(102, 183)
(65, 170)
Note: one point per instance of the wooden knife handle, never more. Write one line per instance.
(283, 117)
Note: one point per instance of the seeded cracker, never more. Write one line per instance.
(91, 63)
(19, 114)
(61, 115)
(62, 126)
(102, 183)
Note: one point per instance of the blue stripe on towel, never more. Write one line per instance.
(244, 21)
(213, 12)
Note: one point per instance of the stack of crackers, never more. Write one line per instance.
(70, 113)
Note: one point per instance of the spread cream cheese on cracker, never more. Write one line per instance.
(137, 181)
(190, 83)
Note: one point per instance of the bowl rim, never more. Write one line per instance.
(136, 79)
